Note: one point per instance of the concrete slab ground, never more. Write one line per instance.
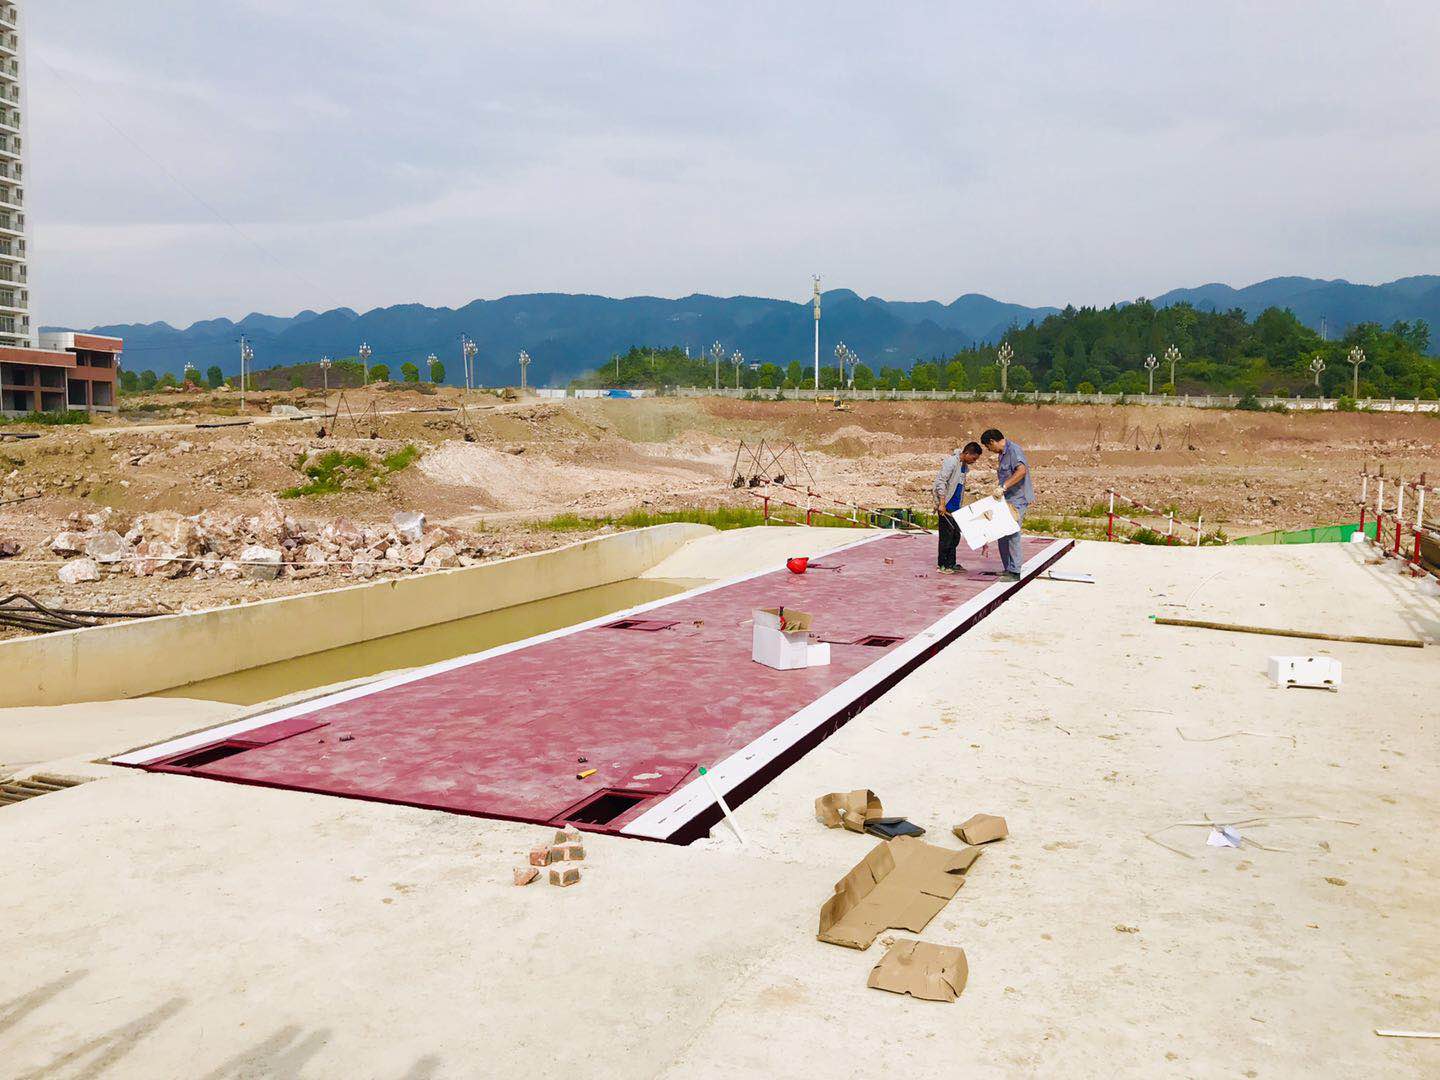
(168, 925)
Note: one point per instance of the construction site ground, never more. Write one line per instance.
(528, 461)
(162, 926)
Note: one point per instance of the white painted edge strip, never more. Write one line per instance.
(678, 809)
(157, 751)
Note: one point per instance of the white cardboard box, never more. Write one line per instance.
(785, 650)
(1317, 671)
(985, 520)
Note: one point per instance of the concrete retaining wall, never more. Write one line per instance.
(148, 655)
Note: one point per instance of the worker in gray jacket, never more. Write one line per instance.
(949, 494)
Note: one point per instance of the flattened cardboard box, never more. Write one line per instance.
(901, 885)
(922, 970)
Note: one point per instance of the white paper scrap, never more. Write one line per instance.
(1223, 836)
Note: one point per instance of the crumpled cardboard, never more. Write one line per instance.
(981, 829)
(850, 809)
(922, 970)
(901, 885)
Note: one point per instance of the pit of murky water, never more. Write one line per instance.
(429, 644)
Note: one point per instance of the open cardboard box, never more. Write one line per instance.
(781, 640)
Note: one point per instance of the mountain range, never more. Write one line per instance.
(567, 334)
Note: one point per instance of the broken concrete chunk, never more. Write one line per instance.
(106, 547)
(261, 563)
(564, 875)
(68, 543)
(73, 573)
(524, 875)
(567, 836)
(922, 970)
(569, 852)
(850, 809)
(982, 829)
(543, 855)
(410, 524)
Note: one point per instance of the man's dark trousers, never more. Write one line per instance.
(949, 541)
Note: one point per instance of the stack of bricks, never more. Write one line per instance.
(565, 848)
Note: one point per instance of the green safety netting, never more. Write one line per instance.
(1320, 534)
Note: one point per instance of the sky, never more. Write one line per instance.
(189, 160)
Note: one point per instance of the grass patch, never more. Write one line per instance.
(51, 419)
(401, 459)
(722, 518)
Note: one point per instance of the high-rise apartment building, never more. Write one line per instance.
(68, 370)
(15, 326)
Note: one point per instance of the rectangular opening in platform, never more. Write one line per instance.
(604, 808)
(648, 626)
(206, 755)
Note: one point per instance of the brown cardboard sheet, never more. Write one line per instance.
(922, 970)
(901, 885)
(851, 809)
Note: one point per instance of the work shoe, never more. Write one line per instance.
(1008, 576)
(948, 570)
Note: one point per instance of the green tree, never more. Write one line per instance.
(437, 372)
(148, 379)
(864, 377)
(956, 377)
(409, 372)
(214, 376)
(167, 381)
(925, 376)
(794, 374)
(129, 382)
(379, 373)
(297, 381)
(769, 376)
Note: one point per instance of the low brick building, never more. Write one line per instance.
(68, 371)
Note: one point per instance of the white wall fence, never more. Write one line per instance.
(1045, 397)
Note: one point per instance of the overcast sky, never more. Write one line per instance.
(433, 151)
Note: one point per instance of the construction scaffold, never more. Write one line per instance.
(1393, 522)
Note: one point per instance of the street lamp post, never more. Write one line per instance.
(365, 353)
(717, 353)
(430, 362)
(524, 363)
(468, 349)
(737, 358)
(1356, 358)
(246, 355)
(325, 373)
(1150, 365)
(1317, 366)
(1172, 357)
(817, 333)
(1005, 355)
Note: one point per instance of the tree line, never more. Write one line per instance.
(1090, 350)
(344, 372)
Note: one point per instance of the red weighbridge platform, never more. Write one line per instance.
(643, 698)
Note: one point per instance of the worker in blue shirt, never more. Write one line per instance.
(949, 494)
(1012, 483)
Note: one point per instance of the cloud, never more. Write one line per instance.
(1043, 152)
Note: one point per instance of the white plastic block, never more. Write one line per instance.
(777, 649)
(1317, 671)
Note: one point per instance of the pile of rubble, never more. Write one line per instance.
(261, 547)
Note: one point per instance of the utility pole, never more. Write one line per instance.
(1317, 366)
(1005, 355)
(365, 353)
(430, 362)
(817, 333)
(717, 353)
(1172, 356)
(737, 358)
(246, 355)
(1150, 365)
(325, 373)
(524, 363)
(1356, 358)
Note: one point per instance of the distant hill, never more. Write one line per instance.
(569, 334)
